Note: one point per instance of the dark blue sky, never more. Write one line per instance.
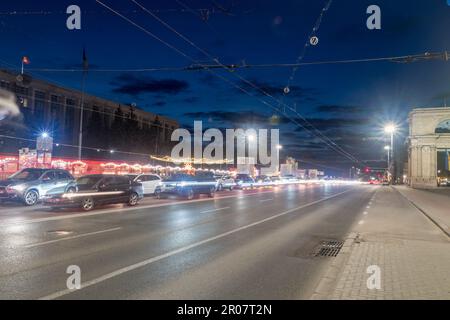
(348, 102)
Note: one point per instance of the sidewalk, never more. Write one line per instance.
(435, 205)
(412, 254)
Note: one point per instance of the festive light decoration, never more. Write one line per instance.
(191, 160)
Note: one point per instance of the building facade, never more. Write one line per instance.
(53, 108)
(429, 146)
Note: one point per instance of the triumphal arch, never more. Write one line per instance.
(429, 146)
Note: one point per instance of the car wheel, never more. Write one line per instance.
(190, 194)
(133, 199)
(71, 190)
(212, 192)
(87, 204)
(158, 194)
(220, 187)
(31, 197)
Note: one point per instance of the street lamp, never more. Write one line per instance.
(390, 129)
(387, 148)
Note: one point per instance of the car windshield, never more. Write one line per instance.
(88, 180)
(27, 175)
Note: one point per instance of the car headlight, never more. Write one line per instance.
(19, 188)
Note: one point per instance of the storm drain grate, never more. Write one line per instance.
(329, 248)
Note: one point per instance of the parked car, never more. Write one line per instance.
(32, 184)
(244, 181)
(149, 181)
(187, 186)
(225, 182)
(443, 181)
(90, 191)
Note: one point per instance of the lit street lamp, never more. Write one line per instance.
(391, 129)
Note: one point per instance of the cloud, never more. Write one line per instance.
(133, 85)
(210, 80)
(191, 100)
(259, 87)
(235, 118)
(159, 103)
(334, 123)
(339, 109)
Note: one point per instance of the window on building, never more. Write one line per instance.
(39, 102)
(54, 105)
(4, 85)
(70, 118)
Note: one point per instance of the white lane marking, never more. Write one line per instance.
(368, 207)
(361, 222)
(70, 238)
(365, 212)
(214, 210)
(265, 200)
(82, 215)
(121, 271)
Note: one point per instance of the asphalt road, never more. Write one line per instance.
(254, 244)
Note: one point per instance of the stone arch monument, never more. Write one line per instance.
(429, 141)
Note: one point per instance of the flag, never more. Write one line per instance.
(85, 60)
(25, 60)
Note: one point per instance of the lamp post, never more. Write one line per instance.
(390, 129)
(388, 149)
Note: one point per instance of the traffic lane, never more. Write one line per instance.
(155, 203)
(115, 250)
(141, 225)
(271, 260)
(162, 220)
(11, 212)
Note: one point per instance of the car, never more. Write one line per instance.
(90, 191)
(32, 184)
(443, 181)
(244, 181)
(275, 180)
(289, 178)
(187, 186)
(263, 181)
(149, 182)
(225, 182)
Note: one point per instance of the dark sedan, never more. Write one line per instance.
(90, 191)
(187, 186)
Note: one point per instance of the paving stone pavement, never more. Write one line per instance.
(414, 259)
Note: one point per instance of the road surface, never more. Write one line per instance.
(247, 244)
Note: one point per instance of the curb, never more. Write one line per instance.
(328, 281)
(425, 214)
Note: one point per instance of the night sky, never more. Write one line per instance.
(347, 102)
